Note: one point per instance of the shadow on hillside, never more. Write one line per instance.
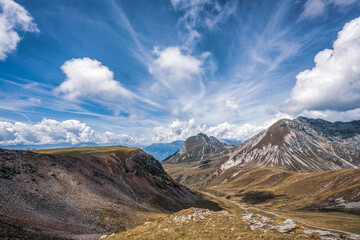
(207, 204)
(256, 197)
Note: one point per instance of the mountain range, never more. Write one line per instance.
(161, 151)
(294, 168)
(302, 144)
(198, 160)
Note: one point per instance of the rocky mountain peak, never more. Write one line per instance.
(302, 144)
(196, 148)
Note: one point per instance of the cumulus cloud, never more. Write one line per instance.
(86, 78)
(315, 8)
(202, 14)
(180, 130)
(334, 82)
(113, 138)
(333, 116)
(178, 79)
(13, 19)
(174, 66)
(50, 131)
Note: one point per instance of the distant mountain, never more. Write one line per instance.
(232, 142)
(197, 148)
(48, 146)
(161, 151)
(302, 144)
(63, 193)
(198, 160)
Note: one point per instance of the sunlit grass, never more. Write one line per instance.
(87, 150)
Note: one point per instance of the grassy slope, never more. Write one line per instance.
(284, 189)
(281, 191)
(195, 174)
(219, 226)
(214, 226)
(300, 196)
(87, 150)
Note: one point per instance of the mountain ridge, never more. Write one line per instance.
(301, 144)
(89, 190)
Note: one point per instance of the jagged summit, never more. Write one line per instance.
(302, 144)
(197, 148)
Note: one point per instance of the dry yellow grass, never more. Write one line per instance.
(272, 187)
(87, 150)
(213, 226)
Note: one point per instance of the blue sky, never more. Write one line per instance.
(137, 72)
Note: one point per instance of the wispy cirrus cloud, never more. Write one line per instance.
(315, 8)
(202, 14)
(141, 53)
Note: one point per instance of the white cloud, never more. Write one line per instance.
(50, 131)
(87, 78)
(13, 18)
(174, 66)
(202, 14)
(113, 138)
(180, 130)
(178, 79)
(177, 130)
(315, 8)
(334, 82)
(230, 103)
(333, 116)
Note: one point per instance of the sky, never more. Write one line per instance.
(139, 72)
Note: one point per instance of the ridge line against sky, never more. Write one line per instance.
(135, 72)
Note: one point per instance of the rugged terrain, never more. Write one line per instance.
(198, 161)
(302, 144)
(205, 224)
(67, 193)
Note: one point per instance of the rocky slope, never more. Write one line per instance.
(301, 144)
(197, 148)
(198, 161)
(82, 191)
(161, 151)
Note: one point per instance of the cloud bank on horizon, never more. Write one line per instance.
(126, 73)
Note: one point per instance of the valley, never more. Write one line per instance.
(299, 179)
